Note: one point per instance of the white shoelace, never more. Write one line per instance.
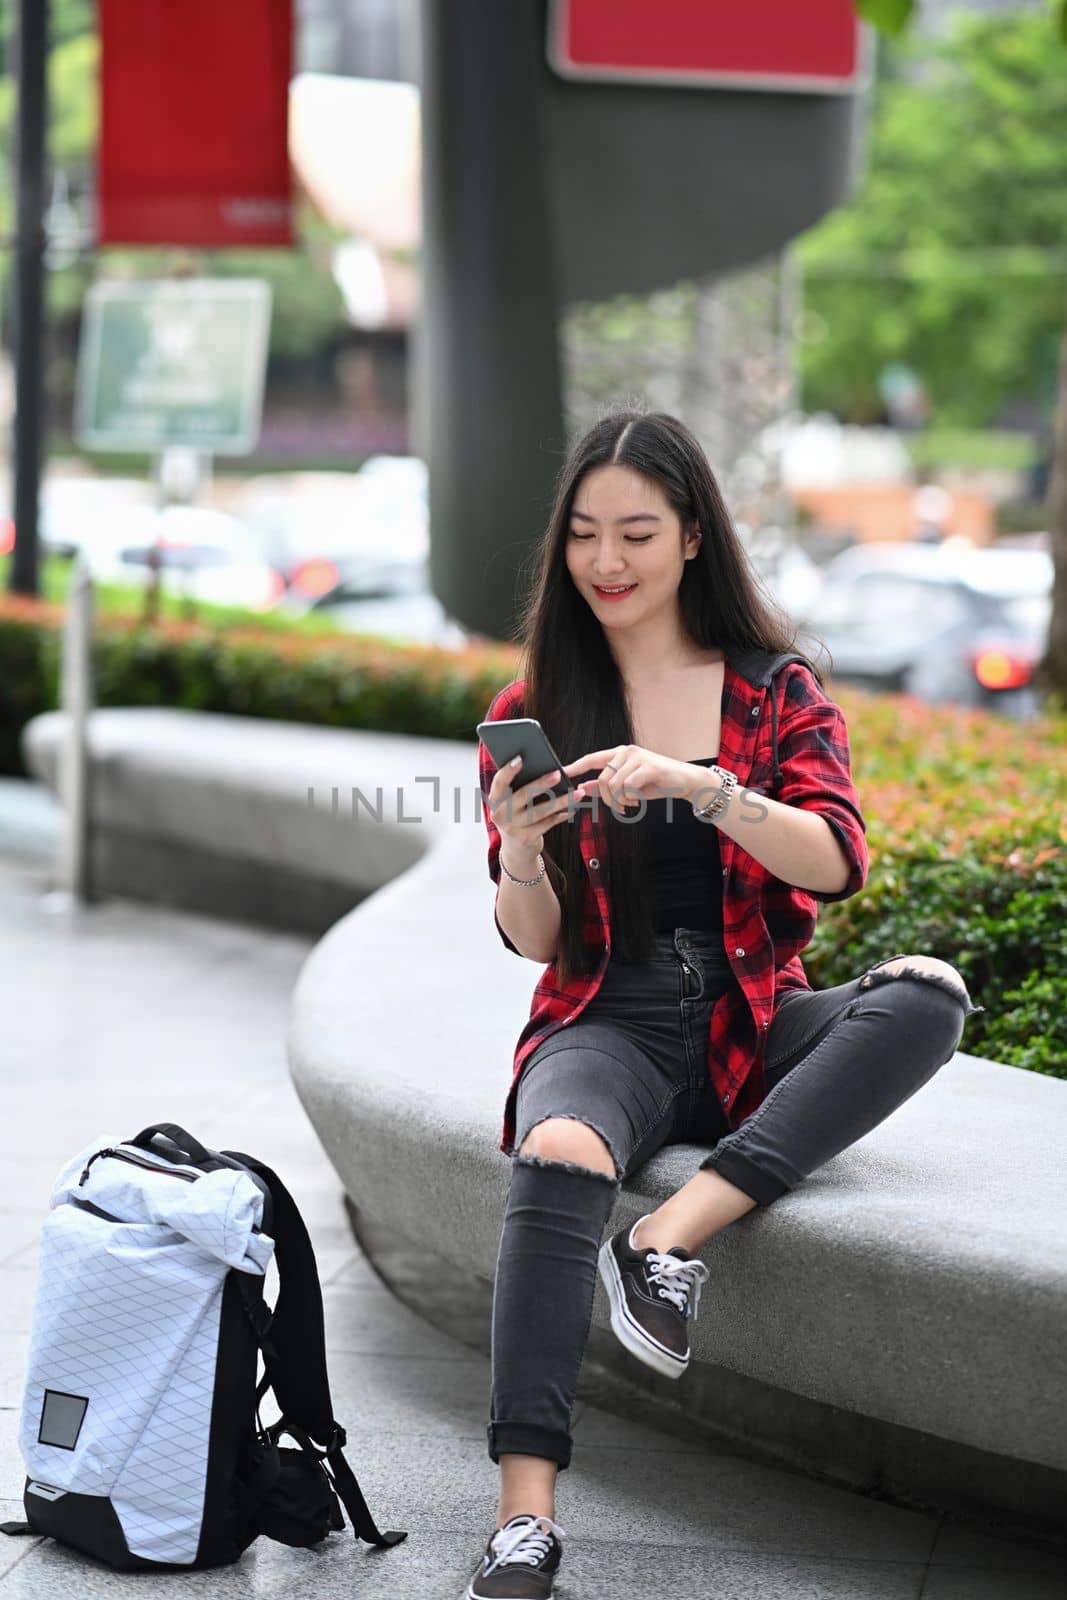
(522, 1543)
(678, 1281)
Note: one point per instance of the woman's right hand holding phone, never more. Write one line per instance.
(524, 820)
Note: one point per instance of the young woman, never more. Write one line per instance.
(671, 897)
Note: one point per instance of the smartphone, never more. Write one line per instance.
(525, 737)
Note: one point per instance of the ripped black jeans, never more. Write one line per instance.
(633, 1067)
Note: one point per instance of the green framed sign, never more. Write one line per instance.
(174, 362)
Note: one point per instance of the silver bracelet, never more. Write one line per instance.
(525, 883)
(718, 802)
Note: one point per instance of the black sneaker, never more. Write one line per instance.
(653, 1299)
(521, 1561)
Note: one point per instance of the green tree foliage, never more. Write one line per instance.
(891, 16)
(951, 254)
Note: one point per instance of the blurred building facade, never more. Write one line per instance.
(356, 38)
(935, 16)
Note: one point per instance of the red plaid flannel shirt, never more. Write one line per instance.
(782, 736)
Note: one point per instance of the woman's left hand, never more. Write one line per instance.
(631, 774)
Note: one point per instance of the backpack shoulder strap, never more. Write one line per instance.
(293, 1342)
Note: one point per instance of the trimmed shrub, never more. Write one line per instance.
(967, 830)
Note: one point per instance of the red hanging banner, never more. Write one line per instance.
(194, 119)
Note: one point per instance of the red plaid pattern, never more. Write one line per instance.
(783, 736)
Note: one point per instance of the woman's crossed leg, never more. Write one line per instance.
(838, 1062)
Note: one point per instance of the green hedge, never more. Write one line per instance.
(28, 678)
(340, 680)
(967, 831)
(1003, 931)
(966, 811)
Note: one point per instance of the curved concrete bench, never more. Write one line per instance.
(238, 816)
(896, 1324)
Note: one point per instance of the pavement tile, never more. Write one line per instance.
(637, 1571)
(319, 1196)
(433, 1566)
(155, 1058)
(613, 1494)
(967, 1583)
(51, 1572)
(591, 1426)
(398, 1395)
(957, 1546)
(340, 1259)
(12, 1470)
(12, 1370)
(354, 1274)
(96, 932)
(733, 1503)
(13, 1550)
(439, 1565)
(16, 1302)
(369, 1321)
(19, 1232)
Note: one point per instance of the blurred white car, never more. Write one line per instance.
(393, 600)
(354, 547)
(203, 555)
(319, 529)
(76, 512)
(950, 623)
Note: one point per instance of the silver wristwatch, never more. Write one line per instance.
(525, 883)
(719, 802)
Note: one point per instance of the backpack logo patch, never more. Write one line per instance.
(62, 1416)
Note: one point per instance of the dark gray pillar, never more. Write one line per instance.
(539, 192)
(31, 46)
(488, 391)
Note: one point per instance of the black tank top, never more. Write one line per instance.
(683, 863)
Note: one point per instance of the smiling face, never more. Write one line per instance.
(625, 532)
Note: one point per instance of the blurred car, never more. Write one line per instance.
(393, 600)
(204, 555)
(957, 625)
(76, 513)
(319, 529)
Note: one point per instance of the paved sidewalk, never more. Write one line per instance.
(123, 1015)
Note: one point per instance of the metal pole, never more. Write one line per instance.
(790, 306)
(31, 48)
(73, 878)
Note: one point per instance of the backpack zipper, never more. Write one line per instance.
(136, 1161)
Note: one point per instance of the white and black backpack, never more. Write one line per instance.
(140, 1425)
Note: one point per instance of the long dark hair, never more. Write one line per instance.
(572, 683)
